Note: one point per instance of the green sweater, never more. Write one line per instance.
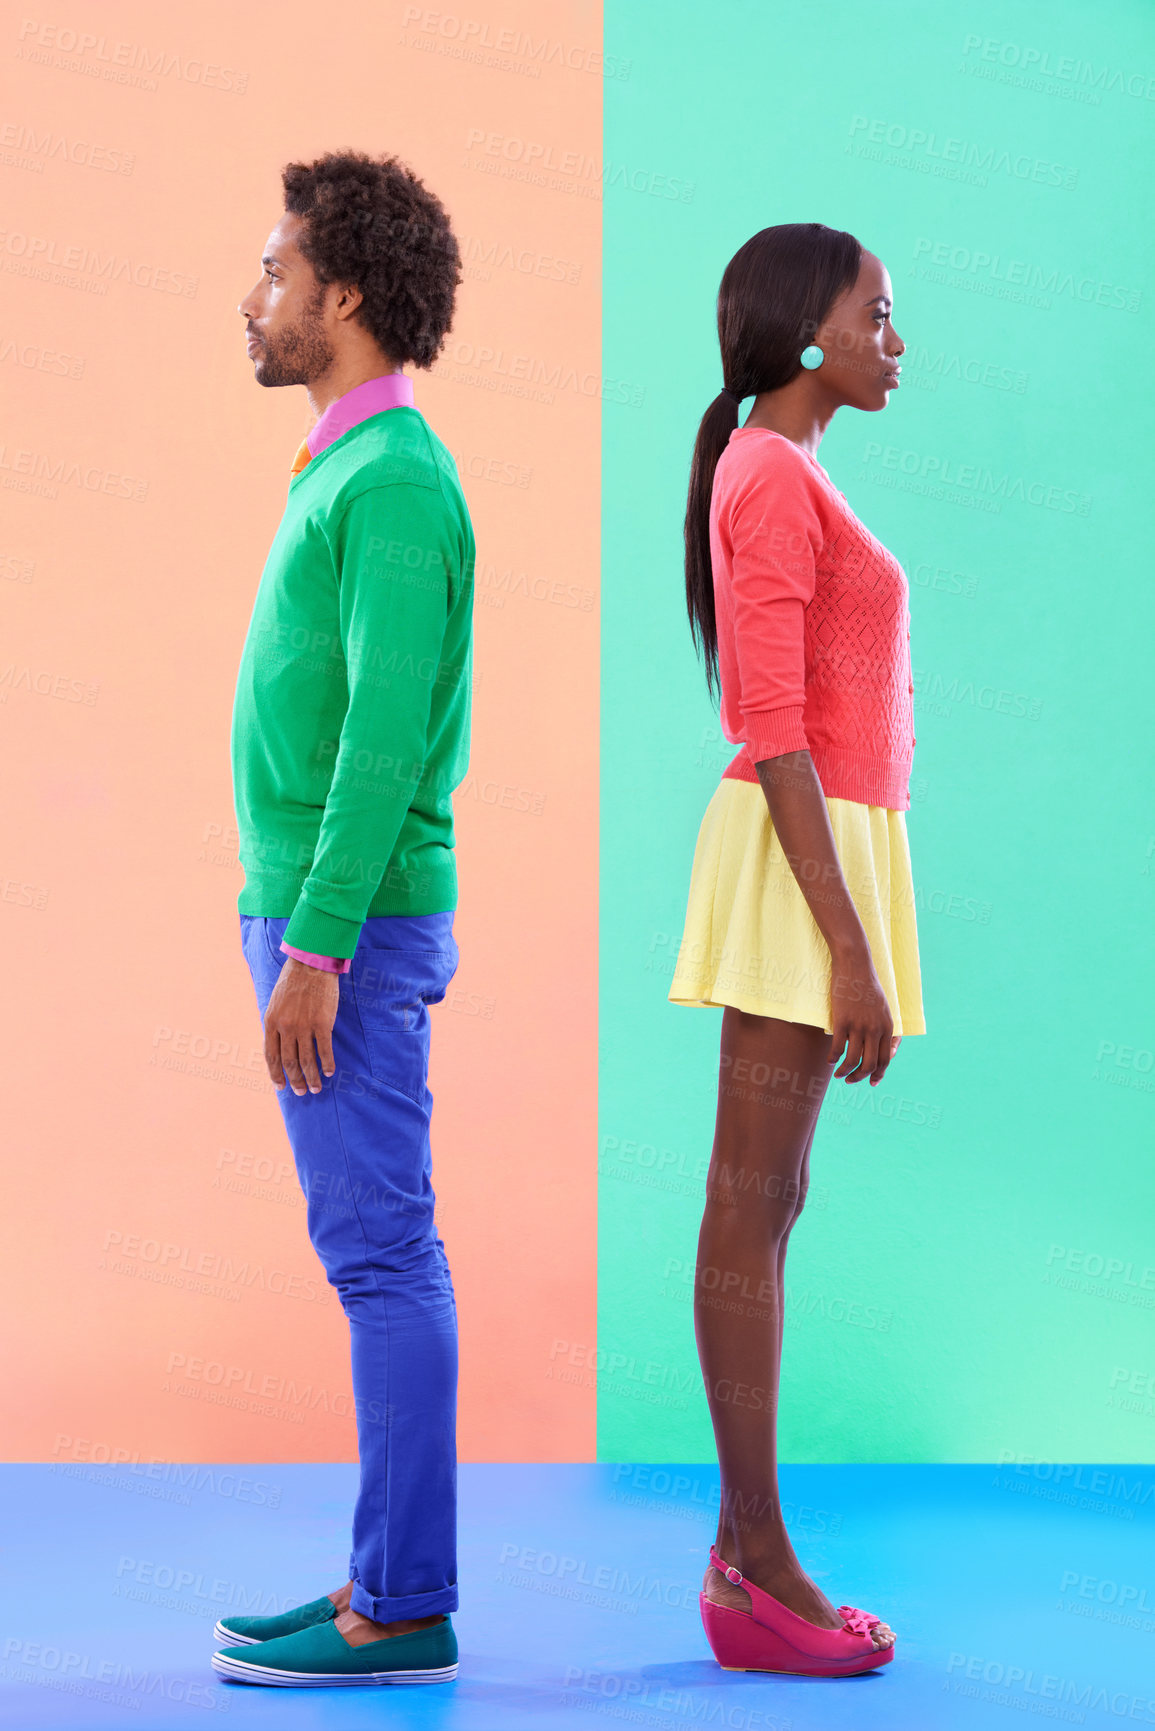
(351, 716)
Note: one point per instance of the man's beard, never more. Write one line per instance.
(297, 354)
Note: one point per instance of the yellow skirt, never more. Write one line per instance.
(750, 939)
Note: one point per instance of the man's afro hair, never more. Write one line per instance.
(368, 221)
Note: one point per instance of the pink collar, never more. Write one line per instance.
(390, 391)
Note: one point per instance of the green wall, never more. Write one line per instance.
(974, 1275)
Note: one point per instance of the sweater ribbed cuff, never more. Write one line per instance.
(773, 732)
(322, 934)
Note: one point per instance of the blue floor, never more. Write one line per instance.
(1028, 1591)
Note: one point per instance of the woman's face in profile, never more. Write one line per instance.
(858, 340)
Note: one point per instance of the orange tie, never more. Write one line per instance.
(302, 457)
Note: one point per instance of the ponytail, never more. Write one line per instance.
(719, 421)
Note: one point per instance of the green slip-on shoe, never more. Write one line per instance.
(321, 1656)
(246, 1631)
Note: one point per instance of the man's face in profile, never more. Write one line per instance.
(284, 313)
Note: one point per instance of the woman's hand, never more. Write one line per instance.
(859, 1012)
(860, 1016)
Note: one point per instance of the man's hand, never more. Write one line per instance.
(302, 1010)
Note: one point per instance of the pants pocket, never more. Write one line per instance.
(258, 955)
(392, 990)
(274, 931)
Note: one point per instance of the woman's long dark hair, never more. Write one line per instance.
(775, 293)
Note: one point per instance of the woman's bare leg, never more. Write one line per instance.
(773, 1079)
(799, 1193)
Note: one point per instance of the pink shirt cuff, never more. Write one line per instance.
(330, 964)
(774, 732)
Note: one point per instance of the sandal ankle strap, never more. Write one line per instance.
(855, 1622)
(735, 1576)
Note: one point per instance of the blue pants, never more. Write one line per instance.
(362, 1151)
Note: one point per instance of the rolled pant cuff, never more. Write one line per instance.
(386, 1610)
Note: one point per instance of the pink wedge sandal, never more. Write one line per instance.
(772, 1638)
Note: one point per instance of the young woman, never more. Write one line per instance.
(800, 920)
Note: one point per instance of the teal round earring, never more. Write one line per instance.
(812, 357)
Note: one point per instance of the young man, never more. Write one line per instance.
(350, 731)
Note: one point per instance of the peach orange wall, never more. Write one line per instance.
(142, 475)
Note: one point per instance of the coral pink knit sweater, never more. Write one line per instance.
(813, 625)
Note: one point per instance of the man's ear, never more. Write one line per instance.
(349, 298)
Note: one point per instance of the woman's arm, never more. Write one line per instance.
(859, 1011)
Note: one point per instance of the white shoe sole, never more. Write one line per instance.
(228, 1639)
(241, 1671)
